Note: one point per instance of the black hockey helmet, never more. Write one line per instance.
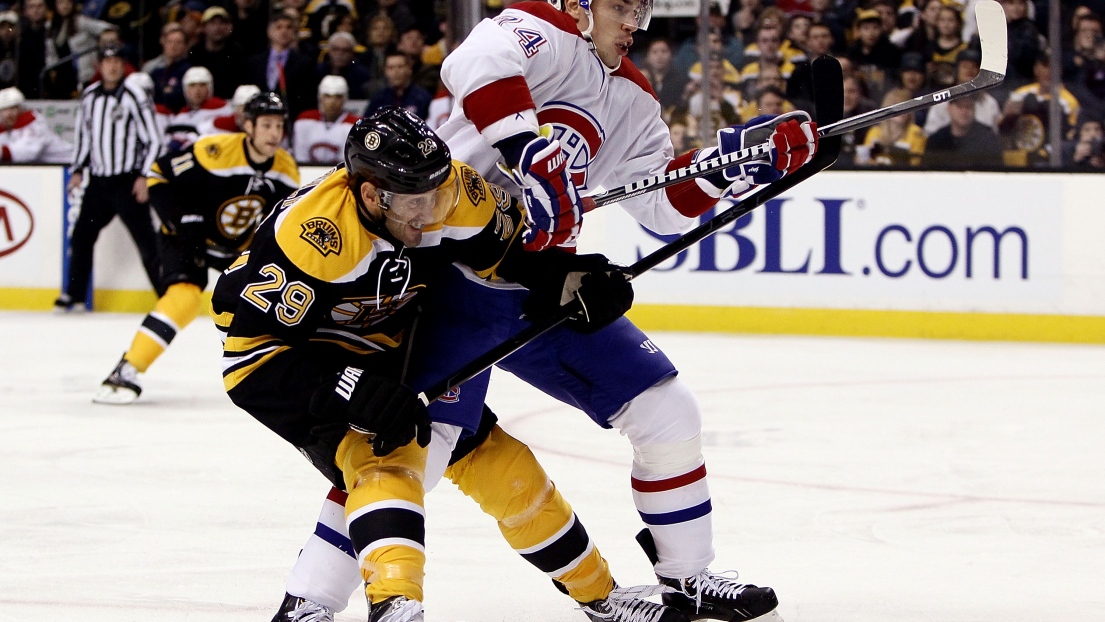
(406, 161)
(396, 151)
(262, 104)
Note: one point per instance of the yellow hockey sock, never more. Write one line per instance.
(174, 310)
(385, 515)
(504, 477)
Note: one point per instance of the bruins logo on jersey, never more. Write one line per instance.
(361, 312)
(213, 150)
(473, 185)
(323, 235)
(238, 216)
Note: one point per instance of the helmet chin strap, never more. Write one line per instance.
(587, 36)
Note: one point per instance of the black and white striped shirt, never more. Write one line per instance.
(116, 132)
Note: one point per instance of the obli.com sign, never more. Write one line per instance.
(993, 243)
(17, 223)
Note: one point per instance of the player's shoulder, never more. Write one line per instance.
(285, 169)
(25, 118)
(473, 191)
(476, 204)
(309, 115)
(221, 153)
(541, 12)
(214, 103)
(319, 231)
(628, 71)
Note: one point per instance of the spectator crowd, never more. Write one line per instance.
(200, 60)
(891, 51)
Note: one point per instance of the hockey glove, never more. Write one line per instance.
(374, 405)
(555, 277)
(793, 140)
(554, 211)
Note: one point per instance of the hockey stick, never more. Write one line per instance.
(992, 31)
(829, 98)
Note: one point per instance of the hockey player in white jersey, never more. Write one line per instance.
(198, 114)
(232, 123)
(565, 66)
(25, 138)
(319, 135)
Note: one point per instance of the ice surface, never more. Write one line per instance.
(865, 480)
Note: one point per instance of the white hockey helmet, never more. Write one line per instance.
(243, 94)
(11, 97)
(333, 85)
(198, 75)
(140, 80)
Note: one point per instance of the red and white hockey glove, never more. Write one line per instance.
(793, 138)
(554, 211)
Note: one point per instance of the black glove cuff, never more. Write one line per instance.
(511, 147)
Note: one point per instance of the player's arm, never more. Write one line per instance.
(490, 80)
(175, 184)
(264, 304)
(793, 139)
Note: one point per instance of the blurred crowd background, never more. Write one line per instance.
(754, 56)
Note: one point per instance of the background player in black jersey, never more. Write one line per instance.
(209, 198)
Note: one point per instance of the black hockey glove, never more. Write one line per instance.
(555, 277)
(374, 405)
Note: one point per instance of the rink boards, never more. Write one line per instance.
(947, 255)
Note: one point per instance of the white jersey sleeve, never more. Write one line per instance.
(490, 80)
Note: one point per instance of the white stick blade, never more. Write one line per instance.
(994, 35)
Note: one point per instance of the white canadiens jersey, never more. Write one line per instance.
(183, 128)
(31, 141)
(319, 142)
(532, 56)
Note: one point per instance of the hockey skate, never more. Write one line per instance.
(296, 609)
(396, 609)
(629, 605)
(714, 596)
(121, 387)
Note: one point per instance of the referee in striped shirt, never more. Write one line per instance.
(117, 141)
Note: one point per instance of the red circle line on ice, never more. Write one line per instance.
(13, 232)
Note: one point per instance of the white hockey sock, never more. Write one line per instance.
(326, 571)
(669, 475)
(676, 508)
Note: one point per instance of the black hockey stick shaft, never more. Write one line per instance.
(993, 34)
(829, 96)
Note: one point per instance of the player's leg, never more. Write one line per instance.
(621, 379)
(502, 475)
(386, 519)
(326, 573)
(95, 214)
(177, 307)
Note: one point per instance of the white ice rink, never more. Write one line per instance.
(865, 480)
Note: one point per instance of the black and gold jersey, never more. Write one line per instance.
(318, 290)
(213, 191)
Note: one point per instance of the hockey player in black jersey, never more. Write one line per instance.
(319, 319)
(210, 198)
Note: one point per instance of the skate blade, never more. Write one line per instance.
(114, 395)
(770, 616)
